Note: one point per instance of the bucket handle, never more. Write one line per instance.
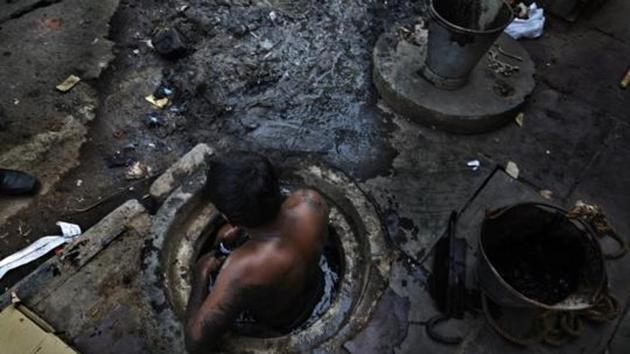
(587, 225)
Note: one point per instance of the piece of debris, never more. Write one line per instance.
(137, 171)
(118, 133)
(53, 23)
(154, 120)
(169, 43)
(474, 164)
(521, 11)
(417, 36)
(22, 231)
(68, 83)
(512, 169)
(519, 119)
(40, 247)
(500, 67)
(273, 16)
(157, 102)
(136, 51)
(546, 193)
(266, 44)
(625, 82)
(79, 182)
(529, 27)
(149, 44)
(119, 159)
(504, 53)
(164, 91)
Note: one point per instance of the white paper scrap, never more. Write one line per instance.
(39, 248)
(512, 169)
(69, 230)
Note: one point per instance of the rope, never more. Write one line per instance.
(557, 328)
(433, 334)
(594, 215)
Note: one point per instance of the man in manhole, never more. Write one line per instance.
(272, 279)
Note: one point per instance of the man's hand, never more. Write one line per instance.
(228, 235)
(208, 264)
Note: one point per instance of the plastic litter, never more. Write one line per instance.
(530, 27)
(40, 247)
(474, 164)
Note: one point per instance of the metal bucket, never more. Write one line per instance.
(460, 33)
(568, 246)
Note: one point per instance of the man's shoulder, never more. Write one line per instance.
(310, 199)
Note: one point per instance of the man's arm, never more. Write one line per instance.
(209, 316)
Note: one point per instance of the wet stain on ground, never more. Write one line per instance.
(293, 78)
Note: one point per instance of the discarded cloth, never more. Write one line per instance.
(531, 27)
(40, 247)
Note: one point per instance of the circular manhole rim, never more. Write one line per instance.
(337, 324)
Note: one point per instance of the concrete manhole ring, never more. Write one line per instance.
(181, 227)
(487, 102)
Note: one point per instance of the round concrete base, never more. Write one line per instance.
(486, 102)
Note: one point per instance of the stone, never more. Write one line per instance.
(387, 329)
(174, 175)
(488, 100)
(169, 43)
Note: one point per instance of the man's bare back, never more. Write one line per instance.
(271, 276)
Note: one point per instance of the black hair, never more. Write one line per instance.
(244, 187)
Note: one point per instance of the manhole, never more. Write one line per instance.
(185, 223)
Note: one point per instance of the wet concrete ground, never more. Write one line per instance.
(296, 85)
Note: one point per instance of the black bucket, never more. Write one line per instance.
(534, 255)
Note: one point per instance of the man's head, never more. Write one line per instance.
(244, 187)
